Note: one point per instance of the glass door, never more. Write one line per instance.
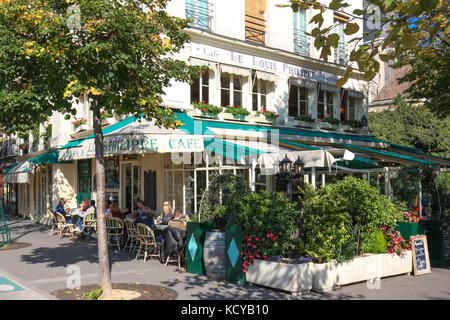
(131, 185)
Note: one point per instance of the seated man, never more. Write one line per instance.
(142, 215)
(60, 209)
(176, 220)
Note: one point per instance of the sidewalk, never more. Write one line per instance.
(13, 289)
(49, 262)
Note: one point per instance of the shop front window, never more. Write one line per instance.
(231, 89)
(200, 88)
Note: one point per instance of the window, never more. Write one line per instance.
(200, 12)
(325, 104)
(259, 95)
(351, 108)
(200, 88)
(230, 90)
(340, 56)
(298, 101)
(84, 176)
(301, 45)
(254, 21)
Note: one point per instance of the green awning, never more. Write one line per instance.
(229, 149)
(51, 157)
(392, 155)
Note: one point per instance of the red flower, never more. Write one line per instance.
(278, 115)
(195, 101)
(204, 101)
(264, 111)
(203, 109)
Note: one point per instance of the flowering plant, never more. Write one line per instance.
(268, 114)
(105, 114)
(353, 123)
(256, 247)
(331, 120)
(411, 217)
(237, 110)
(395, 243)
(307, 118)
(79, 122)
(207, 108)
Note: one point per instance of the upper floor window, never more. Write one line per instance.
(200, 88)
(351, 108)
(325, 104)
(301, 45)
(298, 101)
(340, 54)
(200, 11)
(259, 95)
(255, 23)
(230, 89)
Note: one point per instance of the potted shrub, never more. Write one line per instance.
(305, 121)
(80, 125)
(107, 117)
(410, 226)
(266, 116)
(207, 110)
(236, 113)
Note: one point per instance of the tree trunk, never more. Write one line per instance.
(105, 275)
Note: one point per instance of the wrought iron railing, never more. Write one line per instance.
(200, 12)
(255, 29)
(301, 43)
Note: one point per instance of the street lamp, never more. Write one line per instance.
(285, 165)
(298, 166)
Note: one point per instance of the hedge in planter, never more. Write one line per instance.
(334, 211)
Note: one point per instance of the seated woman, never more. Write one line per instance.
(168, 213)
(116, 212)
(64, 211)
(85, 208)
(107, 207)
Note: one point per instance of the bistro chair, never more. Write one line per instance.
(89, 224)
(178, 254)
(114, 229)
(54, 221)
(133, 238)
(147, 241)
(64, 227)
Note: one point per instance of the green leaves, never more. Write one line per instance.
(428, 5)
(333, 40)
(351, 28)
(388, 5)
(318, 19)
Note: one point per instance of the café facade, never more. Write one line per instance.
(143, 161)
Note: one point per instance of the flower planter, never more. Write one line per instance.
(351, 129)
(294, 278)
(81, 127)
(229, 116)
(305, 124)
(328, 276)
(262, 119)
(108, 121)
(327, 125)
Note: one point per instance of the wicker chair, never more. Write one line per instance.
(133, 238)
(89, 224)
(114, 228)
(63, 226)
(147, 241)
(54, 220)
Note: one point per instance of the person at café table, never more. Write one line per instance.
(85, 208)
(116, 212)
(64, 211)
(177, 222)
(143, 215)
(168, 213)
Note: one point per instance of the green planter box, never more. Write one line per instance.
(438, 243)
(195, 240)
(409, 229)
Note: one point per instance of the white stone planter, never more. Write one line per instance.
(328, 126)
(108, 121)
(328, 276)
(305, 124)
(229, 116)
(80, 128)
(262, 119)
(294, 278)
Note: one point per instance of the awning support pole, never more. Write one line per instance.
(313, 177)
(254, 164)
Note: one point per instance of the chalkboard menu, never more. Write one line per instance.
(421, 260)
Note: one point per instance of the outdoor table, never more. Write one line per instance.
(161, 227)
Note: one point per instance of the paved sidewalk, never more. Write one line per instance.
(50, 263)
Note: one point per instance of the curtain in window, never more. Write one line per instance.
(300, 40)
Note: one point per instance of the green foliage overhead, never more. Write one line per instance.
(115, 52)
(333, 214)
(412, 126)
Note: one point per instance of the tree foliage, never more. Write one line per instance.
(408, 32)
(412, 126)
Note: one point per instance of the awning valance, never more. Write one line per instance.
(327, 87)
(235, 70)
(266, 76)
(202, 63)
(18, 173)
(303, 83)
(355, 94)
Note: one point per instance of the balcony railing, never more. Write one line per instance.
(340, 54)
(301, 43)
(255, 29)
(201, 14)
